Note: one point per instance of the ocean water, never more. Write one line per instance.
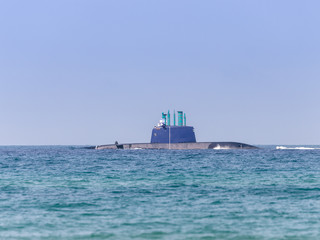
(68, 192)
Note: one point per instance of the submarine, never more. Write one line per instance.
(180, 136)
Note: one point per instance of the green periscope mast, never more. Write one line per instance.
(165, 136)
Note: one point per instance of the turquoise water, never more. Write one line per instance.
(65, 192)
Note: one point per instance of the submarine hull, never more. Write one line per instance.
(191, 145)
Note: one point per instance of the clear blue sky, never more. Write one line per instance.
(92, 72)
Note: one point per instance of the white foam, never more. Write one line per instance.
(295, 148)
(218, 147)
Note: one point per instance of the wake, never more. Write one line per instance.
(296, 148)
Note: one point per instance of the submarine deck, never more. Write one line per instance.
(192, 145)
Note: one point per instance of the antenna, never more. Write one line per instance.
(169, 137)
(180, 118)
(164, 117)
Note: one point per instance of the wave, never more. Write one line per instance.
(295, 148)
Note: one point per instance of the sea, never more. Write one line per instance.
(70, 192)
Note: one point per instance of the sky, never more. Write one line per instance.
(80, 72)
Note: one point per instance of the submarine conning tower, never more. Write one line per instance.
(165, 133)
